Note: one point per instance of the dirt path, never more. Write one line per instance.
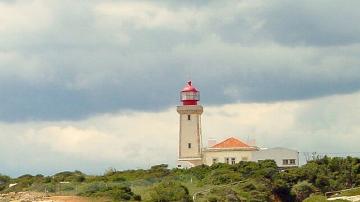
(349, 198)
(42, 197)
(67, 199)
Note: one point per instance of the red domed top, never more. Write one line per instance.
(189, 88)
(189, 95)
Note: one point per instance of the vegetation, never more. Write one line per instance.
(316, 198)
(320, 198)
(170, 191)
(351, 192)
(244, 181)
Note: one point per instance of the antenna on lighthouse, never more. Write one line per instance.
(188, 74)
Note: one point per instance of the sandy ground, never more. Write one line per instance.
(42, 197)
(67, 199)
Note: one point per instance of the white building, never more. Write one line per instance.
(283, 157)
(231, 150)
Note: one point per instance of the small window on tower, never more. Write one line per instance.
(189, 117)
(189, 145)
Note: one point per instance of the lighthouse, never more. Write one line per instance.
(190, 145)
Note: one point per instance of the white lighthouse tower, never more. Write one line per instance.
(190, 146)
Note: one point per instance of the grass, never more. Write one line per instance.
(316, 198)
(351, 192)
(143, 191)
(193, 187)
(321, 198)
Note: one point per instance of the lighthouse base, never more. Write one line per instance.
(189, 163)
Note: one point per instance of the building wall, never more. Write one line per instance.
(220, 155)
(278, 155)
(190, 131)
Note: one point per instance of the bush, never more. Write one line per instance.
(101, 189)
(281, 189)
(302, 190)
(221, 194)
(3, 181)
(75, 176)
(169, 191)
(92, 188)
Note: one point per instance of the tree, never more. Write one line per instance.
(323, 183)
(302, 190)
(281, 189)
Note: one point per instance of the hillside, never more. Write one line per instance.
(245, 181)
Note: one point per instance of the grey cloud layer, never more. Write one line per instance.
(69, 60)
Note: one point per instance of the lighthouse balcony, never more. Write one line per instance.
(190, 109)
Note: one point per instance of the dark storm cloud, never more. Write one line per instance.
(313, 23)
(85, 63)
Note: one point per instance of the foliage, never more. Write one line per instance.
(244, 181)
(302, 190)
(68, 176)
(101, 189)
(3, 181)
(169, 191)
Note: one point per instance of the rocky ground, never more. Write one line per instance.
(23, 197)
(40, 197)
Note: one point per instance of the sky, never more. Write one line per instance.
(89, 85)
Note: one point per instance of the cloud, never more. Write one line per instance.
(146, 15)
(313, 23)
(124, 141)
(19, 17)
(66, 60)
(141, 139)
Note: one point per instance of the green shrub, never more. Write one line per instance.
(282, 190)
(302, 190)
(3, 181)
(222, 176)
(92, 188)
(169, 191)
(114, 191)
(68, 176)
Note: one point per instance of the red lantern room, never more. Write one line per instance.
(189, 95)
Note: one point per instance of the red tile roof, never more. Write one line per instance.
(231, 143)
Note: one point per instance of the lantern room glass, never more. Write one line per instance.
(190, 96)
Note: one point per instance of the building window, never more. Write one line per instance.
(227, 160)
(189, 145)
(285, 162)
(292, 161)
(214, 160)
(244, 158)
(189, 117)
(233, 161)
